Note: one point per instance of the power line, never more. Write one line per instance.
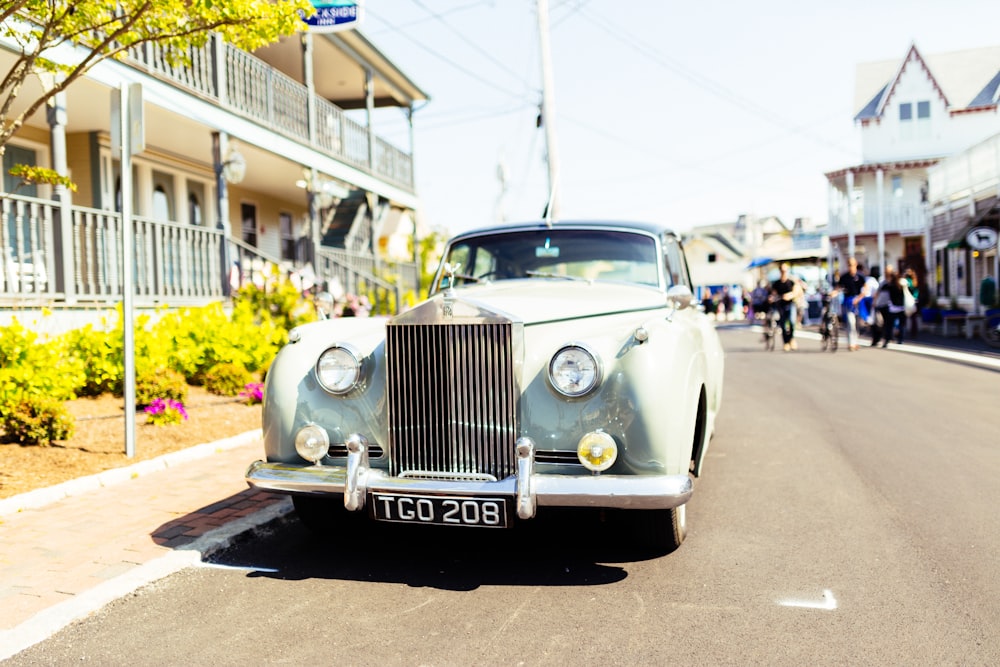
(701, 81)
(478, 49)
(450, 62)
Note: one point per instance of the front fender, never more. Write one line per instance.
(293, 397)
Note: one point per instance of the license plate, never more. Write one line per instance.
(441, 510)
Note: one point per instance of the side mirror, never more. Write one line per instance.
(324, 305)
(680, 297)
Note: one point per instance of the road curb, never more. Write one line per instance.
(50, 494)
(46, 623)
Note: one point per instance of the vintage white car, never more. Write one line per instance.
(554, 365)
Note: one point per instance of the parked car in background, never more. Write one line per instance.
(554, 365)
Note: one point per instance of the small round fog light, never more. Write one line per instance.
(597, 451)
(312, 443)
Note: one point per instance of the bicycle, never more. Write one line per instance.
(829, 327)
(990, 329)
(771, 325)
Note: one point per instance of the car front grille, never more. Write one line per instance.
(452, 400)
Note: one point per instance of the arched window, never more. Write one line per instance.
(161, 204)
(194, 210)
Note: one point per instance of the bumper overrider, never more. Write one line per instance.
(528, 490)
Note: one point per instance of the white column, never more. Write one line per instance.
(850, 213)
(880, 202)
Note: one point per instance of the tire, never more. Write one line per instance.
(768, 336)
(825, 337)
(990, 330)
(834, 336)
(658, 531)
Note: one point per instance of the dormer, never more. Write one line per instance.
(927, 106)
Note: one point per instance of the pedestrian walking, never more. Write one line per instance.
(891, 306)
(851, 286)
(787, 291)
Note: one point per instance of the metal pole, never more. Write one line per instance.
(128, 279)
(549, 110)
(880, 202)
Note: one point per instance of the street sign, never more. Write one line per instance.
(981, 238)
(335, 15)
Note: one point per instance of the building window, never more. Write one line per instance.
(248, 214)
(711, 258)
(194, 209)
(287, 236)
(915, 126)
(897, 186)
(161, 204)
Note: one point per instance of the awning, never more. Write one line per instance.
(758, 262)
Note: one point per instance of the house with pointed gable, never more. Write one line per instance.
(913, 114)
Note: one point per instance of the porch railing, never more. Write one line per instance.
(246, 85)
(342, 275)
(44, 262)
(895, 219)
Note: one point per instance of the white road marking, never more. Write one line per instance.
(829, 603)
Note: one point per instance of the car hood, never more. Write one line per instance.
(540, 300)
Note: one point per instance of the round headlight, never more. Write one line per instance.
(574, 371)
(597, 451)
(312, 443)
(338, 370)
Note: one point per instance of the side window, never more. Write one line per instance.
(248, 214)
(288, 241)
(675, 265)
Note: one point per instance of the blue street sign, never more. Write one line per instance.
(334, 15)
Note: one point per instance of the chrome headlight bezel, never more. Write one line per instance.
(353, 369)
(588, 365)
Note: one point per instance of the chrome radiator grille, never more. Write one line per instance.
(452, 400)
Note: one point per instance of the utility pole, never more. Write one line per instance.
(548, 110)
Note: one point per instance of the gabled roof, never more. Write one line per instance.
(988, 96)
(965, 80)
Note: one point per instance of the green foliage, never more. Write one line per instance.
(429, 251)
(159, 383)
(36, 420)
(34, 175)
(281, 303)
(227, 379)
(177, 349)
(31, 367)
(101, 356)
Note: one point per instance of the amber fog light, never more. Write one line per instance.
(312, 443)
(597, 451)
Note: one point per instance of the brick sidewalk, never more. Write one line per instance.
(51, 556)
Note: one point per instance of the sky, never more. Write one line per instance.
(685, 114)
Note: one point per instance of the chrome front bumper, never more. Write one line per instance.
(529, 490)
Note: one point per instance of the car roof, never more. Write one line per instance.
(622, 225)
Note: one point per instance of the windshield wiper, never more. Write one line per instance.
(559, 276)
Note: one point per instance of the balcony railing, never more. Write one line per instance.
(43, 261)
(905, 219)
(969, 173)
(249, 87)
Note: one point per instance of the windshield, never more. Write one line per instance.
(554, 254)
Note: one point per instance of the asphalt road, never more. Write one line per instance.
(847, 515)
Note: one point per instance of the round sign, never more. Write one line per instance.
(981, 238)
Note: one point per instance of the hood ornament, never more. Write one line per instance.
(448, 302)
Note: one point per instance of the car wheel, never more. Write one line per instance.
(321, 515)
(659, 531)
